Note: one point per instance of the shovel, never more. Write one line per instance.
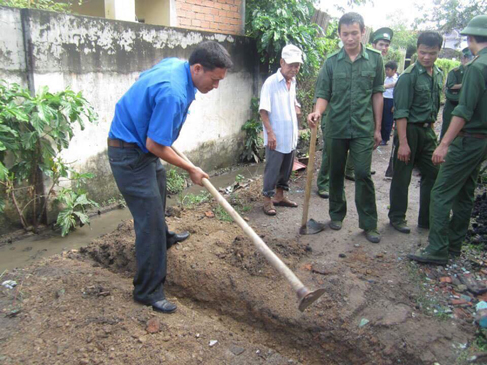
(305, 296)
(310, 226)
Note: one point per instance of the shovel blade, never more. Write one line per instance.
(312, 227)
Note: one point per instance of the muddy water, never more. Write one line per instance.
(23, 252)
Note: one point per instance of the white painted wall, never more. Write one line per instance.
(102, 58)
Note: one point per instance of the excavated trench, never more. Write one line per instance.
(219, 269)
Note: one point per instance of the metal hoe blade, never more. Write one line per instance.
(312, 227)
(309, 297)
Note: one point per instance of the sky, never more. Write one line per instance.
(377, 13)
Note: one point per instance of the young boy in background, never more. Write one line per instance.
(387, 113)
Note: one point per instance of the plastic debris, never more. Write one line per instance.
(9, 284)
(213, 343)
(363, 322)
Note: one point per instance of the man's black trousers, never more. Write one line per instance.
(141, 179)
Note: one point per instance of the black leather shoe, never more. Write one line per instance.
(164, 306)
(173, 238)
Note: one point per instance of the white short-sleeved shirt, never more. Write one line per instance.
(279, 102)
(389, 93)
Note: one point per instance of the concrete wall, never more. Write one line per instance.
(102, 58)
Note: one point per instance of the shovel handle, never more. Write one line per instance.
(309, 175)
(273, 259)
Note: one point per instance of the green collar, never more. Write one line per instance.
(363, 53)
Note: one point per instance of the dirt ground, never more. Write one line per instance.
(233, 308)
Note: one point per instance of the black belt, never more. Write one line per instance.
(120, 144)
(424, 125)
(472, 135)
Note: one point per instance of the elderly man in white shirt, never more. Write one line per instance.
(278, 110)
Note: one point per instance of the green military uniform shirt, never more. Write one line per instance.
(472, 106)
(417, 94)
(348, 87)
(454, 77)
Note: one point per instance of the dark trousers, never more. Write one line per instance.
(454, 191)
(359, 151)
(387, 119)
(278, 168)
(422, 142)
(141, 179)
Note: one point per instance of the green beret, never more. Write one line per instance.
(382, 34)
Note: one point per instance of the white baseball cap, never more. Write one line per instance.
(291, 54)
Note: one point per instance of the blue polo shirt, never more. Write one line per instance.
(155, 106)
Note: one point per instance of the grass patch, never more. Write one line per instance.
(175, 181)
(190, 201)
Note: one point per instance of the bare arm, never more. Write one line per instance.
(377, 106)
(389, 86)
(167, 154)
(271, 137)
(456, 126)
(404, 152)
(320, 108)
(456, 87)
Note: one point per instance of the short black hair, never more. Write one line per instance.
(350, 18)
(385, 40)
(210, 55)
(480, 38)
(431, 39)
(391, 64)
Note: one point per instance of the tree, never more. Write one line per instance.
(448, 15)
(274, 24)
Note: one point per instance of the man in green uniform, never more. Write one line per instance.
(452, 89)
(465, 147)
(381, 40)
(416, 105)
(351, 83)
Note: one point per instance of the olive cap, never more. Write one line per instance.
(476, 26)
(382, 34)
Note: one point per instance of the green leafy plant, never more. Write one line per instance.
(189, 201)
(175, 181)
(62, 7)
(75, 204)
(274, 24)
(253, 146)
(239, 178)
(33, 131)
(446, 66)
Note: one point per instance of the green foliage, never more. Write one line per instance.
(274, 24)
(53, 5)
(189, 201)
(222, 215)
(75, 204)
(239, 178)
(175, 181)
(33, 131)
(450, 15)
(446, 66)
(253, 146)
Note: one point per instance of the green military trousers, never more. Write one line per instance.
(454, 191)
(422, 142)
(323, 179)
(360, 152)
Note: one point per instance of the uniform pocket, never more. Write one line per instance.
(340, 82)
(422, 94)
(366, 80)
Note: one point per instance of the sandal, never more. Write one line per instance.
(285, 202)
(269, 208)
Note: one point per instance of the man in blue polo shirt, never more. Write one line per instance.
(147, 121)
